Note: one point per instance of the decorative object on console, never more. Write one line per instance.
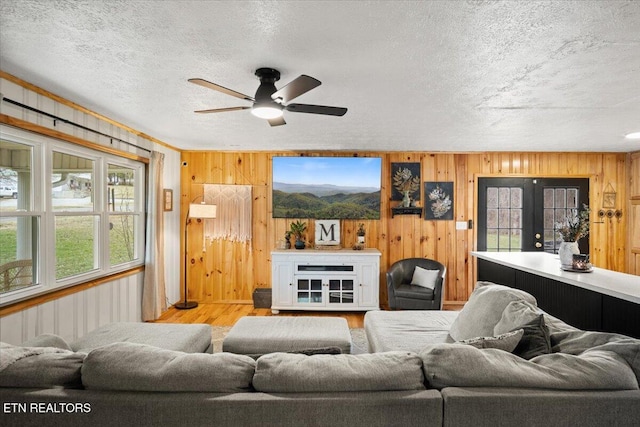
(405, 182)
(439, 196)
(360, 233)
(196, 210)
(297, 229)
(327, 232)
(574, 227)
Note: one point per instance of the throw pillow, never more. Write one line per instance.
(506, 342)
(516, 314)
(523, 315)
(425, 278)
(457, 365)
(483, 311)
(535, 340)
(298, 373)
(140, 367)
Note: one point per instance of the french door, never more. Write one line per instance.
(520, 214)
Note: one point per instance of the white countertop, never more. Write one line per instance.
(607, 282)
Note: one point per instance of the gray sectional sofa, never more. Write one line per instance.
(498, 362)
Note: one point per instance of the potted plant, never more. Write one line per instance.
(360, 233)
(297, 229)
(573, 228)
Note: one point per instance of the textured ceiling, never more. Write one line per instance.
(415, 76)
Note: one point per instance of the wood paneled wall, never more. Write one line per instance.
(229, 271)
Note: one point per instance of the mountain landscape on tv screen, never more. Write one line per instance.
(325, 201)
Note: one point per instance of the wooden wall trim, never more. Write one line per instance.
(54, 295)
(70, 104)
(32, 127)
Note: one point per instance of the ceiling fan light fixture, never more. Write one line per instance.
(266, 111)
(633, 135)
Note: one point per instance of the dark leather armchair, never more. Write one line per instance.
(404, 296)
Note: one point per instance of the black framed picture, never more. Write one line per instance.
(405, 180)
(438, 197)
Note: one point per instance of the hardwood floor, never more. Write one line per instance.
(219, 314)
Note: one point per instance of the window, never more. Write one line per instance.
(69, 214)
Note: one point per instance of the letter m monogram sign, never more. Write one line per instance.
(327, 232)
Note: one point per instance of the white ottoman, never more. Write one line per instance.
(257, 335)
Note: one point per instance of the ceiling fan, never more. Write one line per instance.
(269, 102)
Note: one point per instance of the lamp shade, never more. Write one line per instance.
(201, 210)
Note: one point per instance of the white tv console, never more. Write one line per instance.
(324, 280)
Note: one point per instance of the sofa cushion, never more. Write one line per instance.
(523, 315)
(425, 278)
(579, 342)
(457, 365)
(409, 330)
(483, 311)
(47, 340)
(193, 338)
(505, 342)
(285, 372)
(139, 367)
(39, 367)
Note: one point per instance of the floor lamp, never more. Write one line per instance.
(196, 210)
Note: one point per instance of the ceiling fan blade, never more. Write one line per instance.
(221, 110)
(295, 88)
(278, 121)
(222, 89)
(316, 109)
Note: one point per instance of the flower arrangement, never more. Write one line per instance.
(576, 226)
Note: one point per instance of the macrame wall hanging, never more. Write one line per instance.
(233, 217)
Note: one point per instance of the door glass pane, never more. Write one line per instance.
(561, 198)
(559, 202)
(504, 225)
(76, 246)
(72, 183)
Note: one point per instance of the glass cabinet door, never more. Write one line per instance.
(341, 291)
(309, 291)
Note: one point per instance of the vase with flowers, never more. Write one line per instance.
(573, 228)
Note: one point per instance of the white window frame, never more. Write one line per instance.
(41, 207)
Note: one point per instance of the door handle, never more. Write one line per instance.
(538, 245)
(538, 235)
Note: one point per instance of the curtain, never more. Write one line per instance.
(154, 300)
(233, 217)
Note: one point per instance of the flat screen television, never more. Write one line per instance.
(326, 187)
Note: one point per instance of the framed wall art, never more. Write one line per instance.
(438, 203)
(168, 200)
(405, 181)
